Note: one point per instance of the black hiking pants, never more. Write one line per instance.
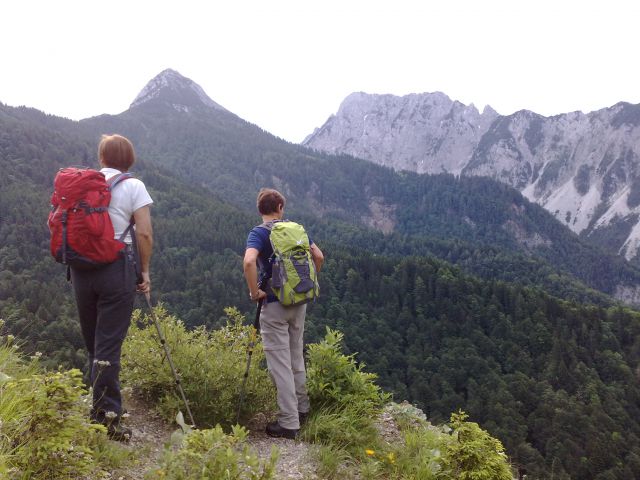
(105, 299)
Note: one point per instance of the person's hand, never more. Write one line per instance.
(259, 296)
(145, 285)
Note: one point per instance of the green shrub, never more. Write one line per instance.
(211, 366)
(335, 380)
(57, 438)
(344, 403)
(44, 428)
(427, 452)
(213, 454)
(473, 454)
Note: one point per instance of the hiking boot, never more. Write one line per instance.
(275, 430)
(118, 432)
(302, 417)
(100, 416)
(115, 430)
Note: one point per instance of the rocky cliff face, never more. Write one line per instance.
(424, 133)
(583, 168)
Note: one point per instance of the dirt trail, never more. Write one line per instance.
(151, 434)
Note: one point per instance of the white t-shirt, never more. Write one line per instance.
(128, 196)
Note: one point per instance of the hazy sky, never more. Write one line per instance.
(287, 65)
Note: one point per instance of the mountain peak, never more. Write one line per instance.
(172, 88)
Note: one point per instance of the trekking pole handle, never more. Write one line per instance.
(261, 286)
(256, 321)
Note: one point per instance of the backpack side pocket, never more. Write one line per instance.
(276, 274)
(305, 282)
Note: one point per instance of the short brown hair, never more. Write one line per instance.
(116, 151)
(269, 200)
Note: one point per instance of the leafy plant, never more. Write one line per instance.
(58, 436)
(473, 454)
(335, 380)
(212, 454)
(210, 364)
(44, 428)
(344, 401)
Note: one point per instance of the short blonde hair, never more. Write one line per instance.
(116, 151)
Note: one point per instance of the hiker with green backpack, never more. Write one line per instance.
(289, 261)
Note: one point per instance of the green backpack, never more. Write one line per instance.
(293, 280)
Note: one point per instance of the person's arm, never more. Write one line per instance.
(317, 256)
(144, 239)
(251, 274)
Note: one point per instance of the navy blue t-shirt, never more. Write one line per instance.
(259, 239)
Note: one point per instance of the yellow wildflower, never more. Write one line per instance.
(369, 452)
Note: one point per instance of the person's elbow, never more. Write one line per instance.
(246, 264)
(144, 230)
(144, 235)
(250, 258)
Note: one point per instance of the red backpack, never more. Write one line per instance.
(82, 234)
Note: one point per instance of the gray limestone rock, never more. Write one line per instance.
(583, 168)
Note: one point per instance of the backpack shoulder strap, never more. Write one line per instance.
(117, 178)
(269, 225)
(112, 183)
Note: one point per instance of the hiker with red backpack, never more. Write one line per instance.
(101, 229)
(289, 262)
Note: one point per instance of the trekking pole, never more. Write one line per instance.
(166, 351)
(253, 338)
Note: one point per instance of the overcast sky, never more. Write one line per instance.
(287, 65)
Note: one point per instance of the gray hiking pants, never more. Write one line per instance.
(282, 330)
